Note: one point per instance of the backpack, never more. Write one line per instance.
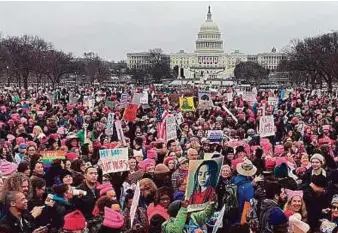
(252, 217)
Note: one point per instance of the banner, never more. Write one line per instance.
(215, 135)
(187, 104)
(266, 126)
(130, 112)
(170, 124)
(49, 156)
(134, 204)
(203, 176)
(114, 160)
(119, 131)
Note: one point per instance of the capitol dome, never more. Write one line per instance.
(209, 37)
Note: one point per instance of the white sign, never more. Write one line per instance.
(215, 135)
(219, 221)
(249, 97)
(170, 124)
(179, 118)
(229, 96)
(144, 98)
(120, 134)
(124, 99)
(134, 204)
(266, 126)
(110, 124)
(114, 160)
(137, 98)
(272, 101)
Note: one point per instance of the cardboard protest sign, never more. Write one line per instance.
(203, 177)
(187, 104)
(170, 124)
(215, 135)
(134, 204)
(266, 126)
(49, 156)
(114, 160)
(130, 112)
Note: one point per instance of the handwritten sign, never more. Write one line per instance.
(171, 132)
(114, 160)
(49, 156)
(130, 112)
(266, 126)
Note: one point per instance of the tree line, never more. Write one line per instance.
(26, 58)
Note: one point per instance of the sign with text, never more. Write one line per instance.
(170, 124)
(134, 204)
(110, 124)
(266, 126)
(130, 112)
(215, 135)
(119, 131)
(272, 101)
(114, 160)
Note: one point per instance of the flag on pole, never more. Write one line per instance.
(161, 129)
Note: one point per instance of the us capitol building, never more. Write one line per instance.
(209, 61)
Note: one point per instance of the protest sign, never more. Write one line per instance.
(110, 124)
(174, 98)
(272, 101)
(187, 104)
(170, 124)
(124, 100)
(144, 98)
(179, 119)
(215, 135)
(229, 96)
(204, 100)
(249, 97)
(114, 160)
(137, 98)
(207, 155)
(134, 204)
(72, 98)
(49, 156)
(266, 126)
(203, 177)
(120, 134)
(130, 112)
(219, 221)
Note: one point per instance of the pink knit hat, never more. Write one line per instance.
(145, 163)
(152, 154)
(71, 156)
(112, 219)
(104, 188)
(290, 193)
(279, 149)
(7, 168)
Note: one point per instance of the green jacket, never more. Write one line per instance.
(201, 217)
(176, 225)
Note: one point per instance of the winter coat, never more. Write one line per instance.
(221, 191)
(176, 225)
(86, 203)
(58, 211)
(245, 190)
(14, 225)
(265, 209)
(314, 206)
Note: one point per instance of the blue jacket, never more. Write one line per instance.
(245, 190)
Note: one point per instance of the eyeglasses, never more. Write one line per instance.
(334, 207)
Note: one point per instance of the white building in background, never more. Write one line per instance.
(209, 61)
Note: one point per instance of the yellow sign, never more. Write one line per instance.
(187, 104)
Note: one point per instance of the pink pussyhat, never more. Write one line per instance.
(279, 149)
(7, 168)
(104, 188)
(112, 219)
(290, 193)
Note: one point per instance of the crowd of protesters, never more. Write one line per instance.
(287, 182)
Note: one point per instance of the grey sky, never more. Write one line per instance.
(114, 28)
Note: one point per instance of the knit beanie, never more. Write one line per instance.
(161, 169)
(174, 207)
(281, 171)
(152, 154)
(74, 221)
(319, 180)
(319, 157)
(64, 173)
(112, 219)
(277, 217)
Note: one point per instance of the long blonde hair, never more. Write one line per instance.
(302, 211)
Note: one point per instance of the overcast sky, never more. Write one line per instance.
(114, 28)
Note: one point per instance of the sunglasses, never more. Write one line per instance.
(334, 207)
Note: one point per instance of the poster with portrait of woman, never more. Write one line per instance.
(187, 104)
(202, 181)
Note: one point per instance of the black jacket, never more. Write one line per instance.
(14, 225)
(86, 203)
